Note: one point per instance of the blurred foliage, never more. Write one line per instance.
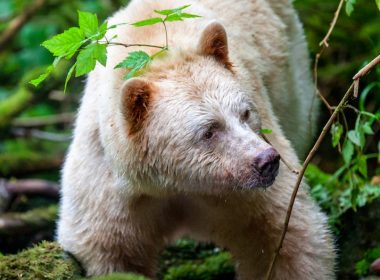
(362, 266)
(344, 178)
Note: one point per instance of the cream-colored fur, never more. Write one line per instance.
(125, 197)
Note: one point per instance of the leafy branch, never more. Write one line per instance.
(88, 42)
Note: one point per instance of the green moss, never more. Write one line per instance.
(119, 276)
(45, 261)
(218, 267)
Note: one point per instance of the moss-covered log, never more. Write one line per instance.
(12, 164)
(28, 222)
(48, 261)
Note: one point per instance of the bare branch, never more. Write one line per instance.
(39, 134)
(363, 72)
(302, 172)
(44, 120)
(31, 187)
(332, 25)
(309, 157)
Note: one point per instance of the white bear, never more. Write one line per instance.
(178, 151)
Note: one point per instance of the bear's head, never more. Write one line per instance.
(193, 127)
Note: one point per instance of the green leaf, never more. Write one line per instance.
(69, 74)
(378, 4)
(265, 131)
(86, 60)
(350, 6)
(186, 15)
(149, 21)
(36, 82)
(66, 43)
(171, 11)
(102, 30)
(336, 132)
(174, 17)
(367, 129)
(354, 137)
(135, 62)
(362, 165)
(347, 151)
(88, 23)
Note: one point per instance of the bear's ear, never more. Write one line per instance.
(213, 42)
(136, 101)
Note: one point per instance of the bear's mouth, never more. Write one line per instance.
(258, 180)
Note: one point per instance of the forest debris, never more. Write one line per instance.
(28, 222)
(30, 187)
(30, 162)
(63, 118)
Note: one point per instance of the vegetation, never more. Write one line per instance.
(36, 122)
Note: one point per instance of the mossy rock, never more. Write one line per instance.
(46, 261)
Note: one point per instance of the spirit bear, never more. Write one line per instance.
(178, 150)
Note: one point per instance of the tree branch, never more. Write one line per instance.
(310, 156)
(44, 120)
(332, 25)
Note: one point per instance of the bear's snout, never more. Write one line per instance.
(266, 164)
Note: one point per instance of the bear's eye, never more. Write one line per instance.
(208, 135)
(245, 116)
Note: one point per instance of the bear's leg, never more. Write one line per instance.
(120, 235)
(307, 251)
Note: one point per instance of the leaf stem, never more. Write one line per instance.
(133, 45)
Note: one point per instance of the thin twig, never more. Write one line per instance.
(324, 44)
(300, 176)
(133, 45)
(293, 170)
(363, 72)
(18, 22)
(166, 34)
(332, 25)
(367, 68)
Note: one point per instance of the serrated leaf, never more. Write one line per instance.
(66, 43)
(354, 137)
(69, 74)
(171, 11)
(86, 60)
(149, 21)
(88, 23)
(347, 151)
(362, 165)
(336, 132)
(36, 82)
(265, 131)
(134, 62)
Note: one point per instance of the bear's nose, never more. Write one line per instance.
(267, 162)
